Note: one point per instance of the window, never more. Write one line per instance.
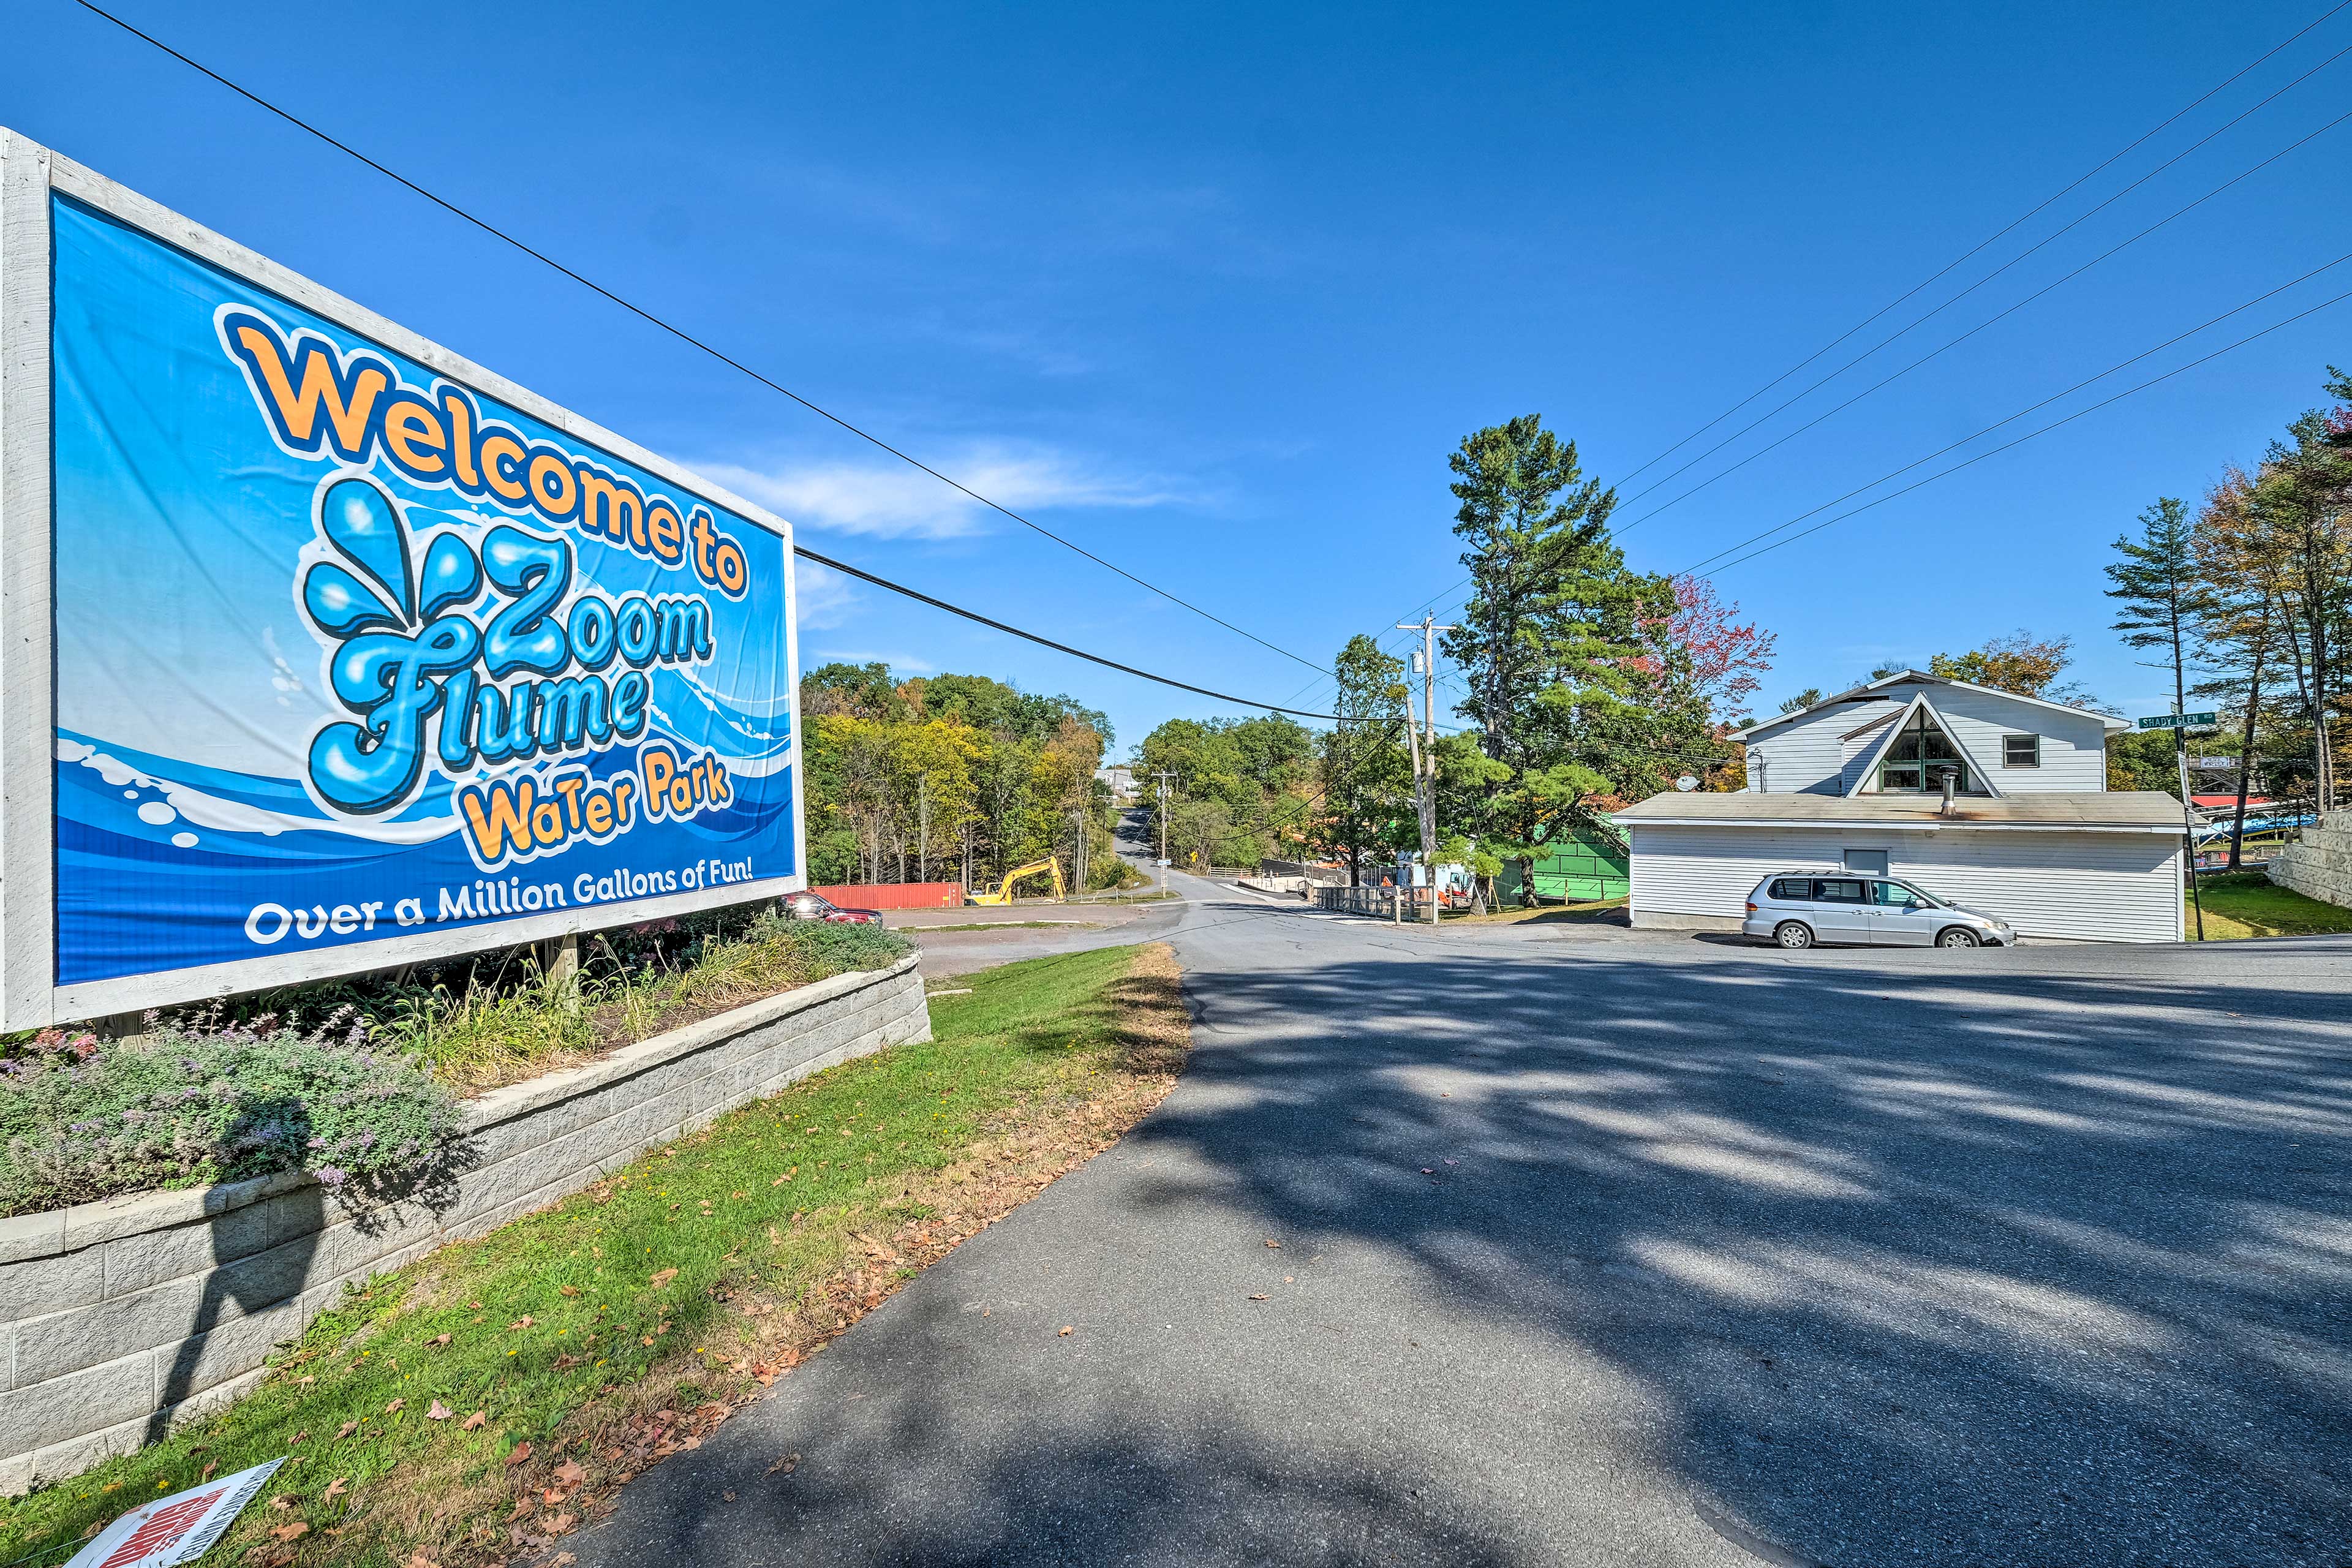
(2021, 750)
(1793, 889)
(1841, 890)
(1919, 756)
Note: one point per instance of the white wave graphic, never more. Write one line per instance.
(235, 816)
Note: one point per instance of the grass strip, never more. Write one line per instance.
(489, 1398)
(2242, 904)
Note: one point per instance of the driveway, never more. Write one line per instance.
(1634, 1249)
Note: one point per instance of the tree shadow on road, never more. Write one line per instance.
(1954, 1263)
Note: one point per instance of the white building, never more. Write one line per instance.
(2032, 833)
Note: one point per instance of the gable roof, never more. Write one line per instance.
(1877, 749)
(1914, 677)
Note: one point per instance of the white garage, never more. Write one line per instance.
(2090, 867)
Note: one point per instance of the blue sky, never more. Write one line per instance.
(1213, 291)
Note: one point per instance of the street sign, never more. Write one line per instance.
(1163, 862)
(2179, 721)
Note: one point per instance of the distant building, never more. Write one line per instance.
(1120, 780)
(1855, 784)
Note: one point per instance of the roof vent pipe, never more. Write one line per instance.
(1949, 777)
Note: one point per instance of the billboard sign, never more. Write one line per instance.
(357, 654)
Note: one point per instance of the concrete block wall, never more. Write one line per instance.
(2321, 866)
(120, 1320)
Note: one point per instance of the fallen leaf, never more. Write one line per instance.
(1253, 1297)
(394, 1407)
(780, 1181)
(1271, 1242)
(288, 1531)
(569, 1473)
(297, 1437)
(336, 1488)
(574, 1290)
(282, 1501)
(521, 1452)
(1449, 1162)
(785, 1465)
(725, 1496)
(306, 1378)
(473, 1422)
(352, 1426)
(209, 1469)
(562, 1560)
(662, 1278)
(439, 1412)
(522, 1322)
(559, 1524)
(438, 1340)
(522, 1506)
(1066, 1331)
(1425, 1170)
(1287, 1280)
(473, 1305)
(420, 1560)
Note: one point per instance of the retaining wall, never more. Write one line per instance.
(2321, 866)
(119, 1320)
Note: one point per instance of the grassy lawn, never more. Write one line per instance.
(497, 1394)
(2239, 904)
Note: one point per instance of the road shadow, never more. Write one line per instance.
(1949, 1262)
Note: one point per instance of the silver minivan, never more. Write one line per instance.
(1799, 909)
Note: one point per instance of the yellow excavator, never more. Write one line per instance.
(1003, 894)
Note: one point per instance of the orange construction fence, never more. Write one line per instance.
(896, 896)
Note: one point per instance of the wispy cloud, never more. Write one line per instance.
(901, 664)
(824, 596)
(891, 500)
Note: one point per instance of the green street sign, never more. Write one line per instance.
(2177, 720)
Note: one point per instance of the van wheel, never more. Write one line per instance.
(1956, 936)
(1793, 933)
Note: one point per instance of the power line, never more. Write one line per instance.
(1954, 343)
(2030, 408)
(680, 334)
(2009, 229)
(865, 577)
(2021, 441)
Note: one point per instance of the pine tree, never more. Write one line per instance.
(2161, 594)
(1551, 640)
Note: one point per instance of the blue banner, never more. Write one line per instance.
(347, 651)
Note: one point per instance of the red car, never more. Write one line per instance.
(817, 907)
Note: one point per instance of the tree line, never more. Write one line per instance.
(950, 777)
(2246, 601)
(1587, 686)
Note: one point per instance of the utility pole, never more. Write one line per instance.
(1078, 851)
(1163, 775)
(1425, 751)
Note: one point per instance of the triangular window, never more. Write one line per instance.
(1919, 756)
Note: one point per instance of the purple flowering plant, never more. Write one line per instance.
(196, 1099)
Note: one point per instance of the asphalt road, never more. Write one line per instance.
(1607, 1247)
(981, 936)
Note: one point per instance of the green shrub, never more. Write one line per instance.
(197, 1101)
